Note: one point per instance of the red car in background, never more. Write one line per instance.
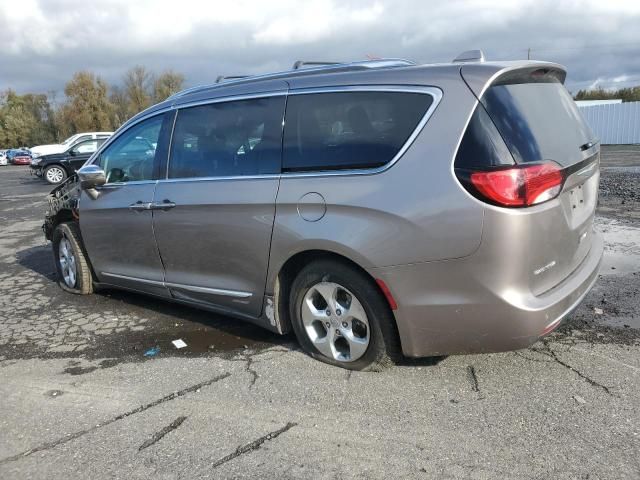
(19, 157)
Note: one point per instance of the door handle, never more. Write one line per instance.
(164, 205)
(140, 206)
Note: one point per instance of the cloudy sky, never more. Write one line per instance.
(45, 41)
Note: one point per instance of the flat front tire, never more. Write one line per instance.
(74, 274)
(340, 317)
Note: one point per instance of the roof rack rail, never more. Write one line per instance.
(470, 56)
(316, 68)
(302, 63)
(222, 78)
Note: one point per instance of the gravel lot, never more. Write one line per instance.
(80, 400)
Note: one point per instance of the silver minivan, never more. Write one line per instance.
(375, 209)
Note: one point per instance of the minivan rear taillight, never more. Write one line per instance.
(518, 185)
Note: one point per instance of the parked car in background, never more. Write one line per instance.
(18, 156)
(436, 209)
(56, 167)
(3, 157)
(40, 150)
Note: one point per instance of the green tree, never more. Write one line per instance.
(87, 107)
(166, 84)
(25, 120)
(630, 94)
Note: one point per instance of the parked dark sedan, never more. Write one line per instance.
(57, 167)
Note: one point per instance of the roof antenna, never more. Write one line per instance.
(470, 56)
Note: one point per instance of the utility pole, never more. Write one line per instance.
(529, 53)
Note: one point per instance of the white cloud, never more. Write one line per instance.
(50, 39)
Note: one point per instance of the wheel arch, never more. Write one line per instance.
(294, 264)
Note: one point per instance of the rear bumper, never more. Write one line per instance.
(445, 308)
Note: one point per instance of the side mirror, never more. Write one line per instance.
(73, 153)
(91, 176)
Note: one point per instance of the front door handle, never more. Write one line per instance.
(140, 206)
(164, 205)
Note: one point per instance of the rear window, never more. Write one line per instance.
(349, 130)
(538, 121)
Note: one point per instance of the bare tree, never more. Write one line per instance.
(137, 88)
(118, 98)
(166, 84)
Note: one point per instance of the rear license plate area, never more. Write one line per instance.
(576, 197)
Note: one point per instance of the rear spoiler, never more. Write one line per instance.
(480, 76)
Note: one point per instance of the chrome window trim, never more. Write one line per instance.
(124, 184)
(435, 93)
(266, 176)
(231, 98)
(192, 288)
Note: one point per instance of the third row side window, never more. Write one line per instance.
(349, 130)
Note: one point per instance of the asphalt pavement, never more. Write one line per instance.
(79, 398)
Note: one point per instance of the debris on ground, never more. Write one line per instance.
(579, 399)
(179, 343)
(152, 352)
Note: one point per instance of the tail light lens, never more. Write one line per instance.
(519, 186)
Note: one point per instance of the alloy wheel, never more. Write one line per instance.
(335, 322)
(55, 175)
(67, 260)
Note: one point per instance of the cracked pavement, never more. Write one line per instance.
(80, 399)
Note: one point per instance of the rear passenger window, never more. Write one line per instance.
(349, 130)
(228, 139)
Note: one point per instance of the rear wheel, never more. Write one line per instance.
(74, 274)
(340, 317)
(54, 174)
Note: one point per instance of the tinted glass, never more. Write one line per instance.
(346, 130)
(538, 121)
(131, 156)
(482, 145)
(228, 139)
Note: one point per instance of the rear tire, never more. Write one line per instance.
(74, 273)
(340, 317)
(54, 174)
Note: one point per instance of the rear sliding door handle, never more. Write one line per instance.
(164, 205)
(140, 206)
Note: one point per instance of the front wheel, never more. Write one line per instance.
(54, 174)
(340, 317)
(74, 274)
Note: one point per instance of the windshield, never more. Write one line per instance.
(70, 140)
(538, 121)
